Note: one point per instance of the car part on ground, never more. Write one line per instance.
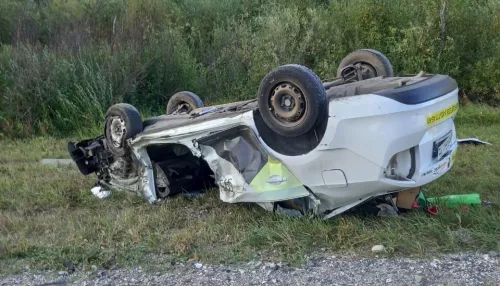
(362, 140)
(100, 192)
(183, 103)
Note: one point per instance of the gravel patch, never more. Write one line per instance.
(456, 269)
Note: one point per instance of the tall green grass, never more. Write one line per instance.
(63, 62)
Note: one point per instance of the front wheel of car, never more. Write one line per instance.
(292, 100)
(123, 121)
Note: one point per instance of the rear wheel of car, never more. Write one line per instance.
(183, 102)
(123, 121)
(292, 100)
(372, 63)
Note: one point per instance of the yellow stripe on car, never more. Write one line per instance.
(274, 176)
(442, 114)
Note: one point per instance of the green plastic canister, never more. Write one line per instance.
(453, 201)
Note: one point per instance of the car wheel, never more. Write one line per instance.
(183, 102)
(373, 63)
(292, 100)
(123, 121)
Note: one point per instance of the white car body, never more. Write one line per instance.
(349, 165)
(381, 136)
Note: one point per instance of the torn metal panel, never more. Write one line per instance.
(240, 146)
(244, 171)
(231, 183)
(345, 208)
(473, 141)
(162, 183)
(147, 182)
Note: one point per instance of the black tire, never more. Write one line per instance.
(130, 119)
(189, 99)
(292, 100)
(376, 62)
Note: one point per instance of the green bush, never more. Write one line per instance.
(63, 62)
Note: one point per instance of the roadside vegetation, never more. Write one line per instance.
(64, 62)
(48, 216)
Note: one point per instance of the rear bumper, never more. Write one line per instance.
(428, 171)
(364, 133)
(377, 128)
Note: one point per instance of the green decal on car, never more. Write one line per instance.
(274, 176)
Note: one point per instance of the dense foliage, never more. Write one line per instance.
(63, 62)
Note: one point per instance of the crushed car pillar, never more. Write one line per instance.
(147, 175)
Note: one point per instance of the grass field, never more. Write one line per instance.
(48, 216)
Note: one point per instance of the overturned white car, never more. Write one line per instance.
(302, 145)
